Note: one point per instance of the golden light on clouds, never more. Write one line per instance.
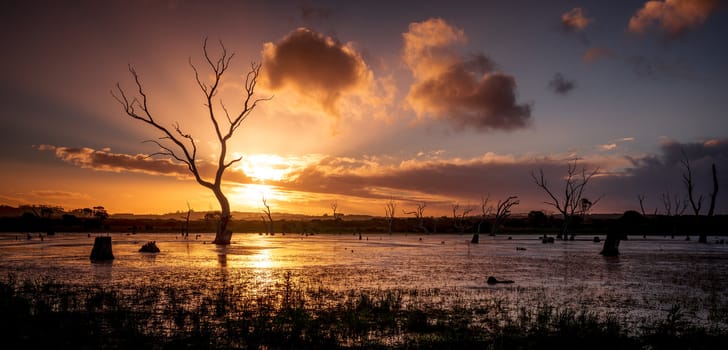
(672, 17)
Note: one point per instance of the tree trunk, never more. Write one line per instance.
(223, 235)
(102, 249)
(564, 228)
(611, 244)
(703, 238)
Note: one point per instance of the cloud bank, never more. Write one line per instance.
(105, 160)
(440, 180)
(672, 17)
(463, 91)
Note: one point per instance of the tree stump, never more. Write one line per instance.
(611, 244)
(149, 247)
(475, 239)
(102, 249)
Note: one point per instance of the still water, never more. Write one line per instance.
(650, 276)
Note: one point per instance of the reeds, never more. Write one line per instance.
(295, 314)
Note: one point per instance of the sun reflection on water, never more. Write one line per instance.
(262, 260)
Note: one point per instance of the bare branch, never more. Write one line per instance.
(181, 146)
(641, 199)
(687, 177)
(574, 185)
(503, 211)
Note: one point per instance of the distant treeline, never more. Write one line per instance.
(631, 223)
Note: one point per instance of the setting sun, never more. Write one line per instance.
(251, 195)
(264, 167)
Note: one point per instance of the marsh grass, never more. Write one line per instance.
(293, 313)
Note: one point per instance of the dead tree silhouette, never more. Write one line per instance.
(180, 146)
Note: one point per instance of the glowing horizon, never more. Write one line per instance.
(442, 104)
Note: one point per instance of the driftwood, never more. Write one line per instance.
(493, 280)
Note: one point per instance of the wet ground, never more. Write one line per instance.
(651, 276)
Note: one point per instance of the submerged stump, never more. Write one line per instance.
(149, 247)
(611, 245)
(102, 249)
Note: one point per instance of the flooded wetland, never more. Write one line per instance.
(654, 279)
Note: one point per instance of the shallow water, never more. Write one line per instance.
(649, 277)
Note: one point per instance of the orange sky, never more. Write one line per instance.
(417, 102)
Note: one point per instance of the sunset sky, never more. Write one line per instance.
(439, 102)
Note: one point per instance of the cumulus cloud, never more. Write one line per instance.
(465, 91)
(574, 20)
(594, 54)
(560, 85)
(105, 160)
(672, 17)
(316, 67)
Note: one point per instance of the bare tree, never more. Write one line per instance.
(180, 146)
(502, 212)
(674, 206)
(334, 206)
(713, 194)
(485, 210)
(389, 210)
(575, 183)
(458, 220)
(266, 211)
(690, 186)
(419, 214)
(186, 228)
(641, 199)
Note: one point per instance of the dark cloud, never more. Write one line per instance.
(435, 180)
(712, 150)
(310, 13)
(560, 85)
(672, 18)
(657, 67)
(467, 180)
(488, 103)
(315, 66)
(658, 174)
(466, 92)
(105, 160)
